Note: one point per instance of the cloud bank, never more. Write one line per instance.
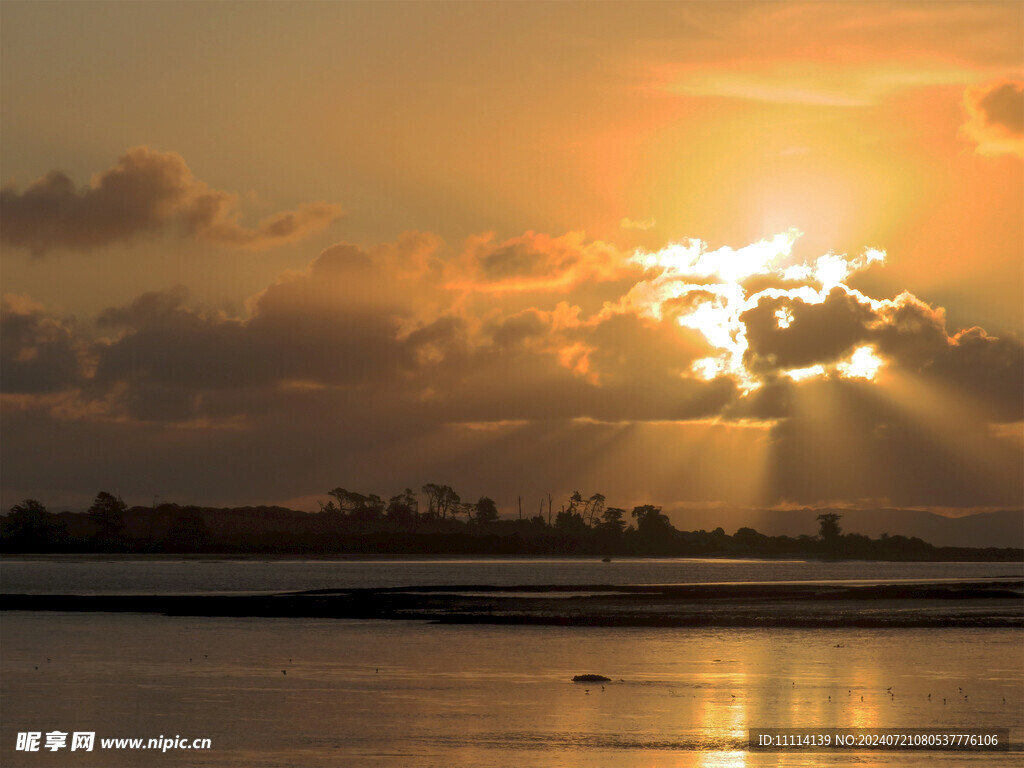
(410, 358)
(145, 192)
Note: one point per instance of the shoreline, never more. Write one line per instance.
(954, 604)
(971, 555)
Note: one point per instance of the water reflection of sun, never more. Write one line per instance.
(724, 713)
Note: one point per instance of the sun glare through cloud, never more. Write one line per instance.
(710, 290)
(516, 248)
(344, 344)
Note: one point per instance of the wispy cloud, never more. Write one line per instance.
(641, 224)
(821, 83)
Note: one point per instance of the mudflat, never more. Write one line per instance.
(948, 604)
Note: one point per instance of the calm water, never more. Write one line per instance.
(488, 696)
(77, 574)
(309, 692)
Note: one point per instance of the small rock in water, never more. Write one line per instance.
(591, 679)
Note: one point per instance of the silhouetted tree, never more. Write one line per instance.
(442, 499)
(593, 508)
(29, 526)
(612, 520)
(828, 527)
(107, 517)
(188, 532)
(367, 509)
(650, 523)
(402, 508)
(355, 506)
(345, 501)
(568, 521)
(575, 502)
(450, 501)
(640, 513)
(748, 537)
(486, 511)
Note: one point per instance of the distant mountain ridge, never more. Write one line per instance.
(1003, 528)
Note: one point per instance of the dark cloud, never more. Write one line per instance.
(518, 259)
(806, 334)
(167, 356)
(521, 328)
(145, 192)
(1004, 105)
(37, 353)
(531, 387)
(627, 348)
(149, 309)
(786, 333)
(996, 117)
(538, 262)
(376, 362)
(911, 332)
(988, 369)
(346, 324)
(771, 401)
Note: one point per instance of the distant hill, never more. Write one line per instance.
(1004, 528)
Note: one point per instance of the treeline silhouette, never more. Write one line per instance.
(353, 523)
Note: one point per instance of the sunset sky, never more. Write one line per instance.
(692, 254)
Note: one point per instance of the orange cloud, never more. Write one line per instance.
(996, 117)
(839, 54)
(284, 227)
(692, 337)
(536, 262)
(38, 354)
(363, 356)
(146, 191)
(822, 83)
